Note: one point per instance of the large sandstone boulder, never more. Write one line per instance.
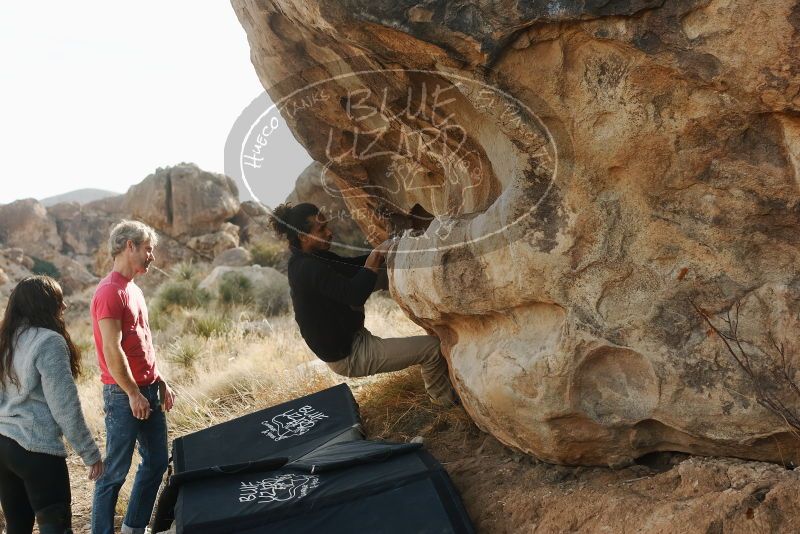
(188, 207)
(83, 229)
(15, 266)
(183, 200)
(73, 275)
(234, 257)
(16, 256)
(252, 220)
(591, 167)
(25, 224)
(210, 245)
(263, 279)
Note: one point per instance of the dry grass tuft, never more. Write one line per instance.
(396, 407)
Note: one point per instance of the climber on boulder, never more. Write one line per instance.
(328, 294)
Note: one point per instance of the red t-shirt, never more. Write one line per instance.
(117, 297)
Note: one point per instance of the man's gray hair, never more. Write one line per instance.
(125, 231)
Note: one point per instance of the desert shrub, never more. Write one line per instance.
(208, 324)
(272, 299)
(187, 270)
(180, 293)
(268, 254)
(45, 267)
(184, 350)
(235, 288)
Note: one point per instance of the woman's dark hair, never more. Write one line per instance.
(37, 301)
(292, 221)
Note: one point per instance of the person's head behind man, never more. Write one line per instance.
(131, 246)
(303, 225)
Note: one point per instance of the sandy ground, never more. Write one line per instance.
(507, 492)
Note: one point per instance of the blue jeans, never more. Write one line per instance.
(123, 430)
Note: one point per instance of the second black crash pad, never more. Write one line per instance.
(289, 430)
(358, 486)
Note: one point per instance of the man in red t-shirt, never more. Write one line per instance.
(133, 390)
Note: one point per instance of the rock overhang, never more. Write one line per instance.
(569, 333)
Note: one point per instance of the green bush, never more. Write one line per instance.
(45, 267)
(268, 254)
(235, 288)
(184, 350)
(209, 324)
(180, 293)
(186, 270)
(272, 300)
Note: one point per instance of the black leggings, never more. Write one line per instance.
(33, 485)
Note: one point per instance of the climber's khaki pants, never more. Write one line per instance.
(372, 355)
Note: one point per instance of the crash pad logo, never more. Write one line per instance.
(292, 423)
(280, 488)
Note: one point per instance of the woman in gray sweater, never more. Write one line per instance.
(38, 405)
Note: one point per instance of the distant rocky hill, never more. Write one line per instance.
(196, 213)
(81, 196)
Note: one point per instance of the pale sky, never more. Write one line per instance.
(99, 94)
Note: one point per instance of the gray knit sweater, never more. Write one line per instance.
(46, 404)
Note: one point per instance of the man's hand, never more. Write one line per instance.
(96, 470)
(167, 396)
(140, 406)
(384, 247)
(376, 257)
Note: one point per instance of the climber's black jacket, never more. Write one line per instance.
(328, 294)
